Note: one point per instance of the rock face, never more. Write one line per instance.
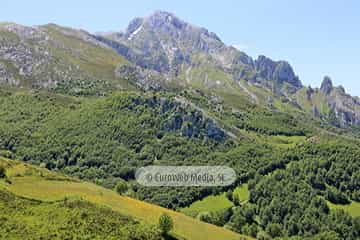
(146, 79)
(191, 123)
(280, 72)
(6, 77)
(345, 107)
(163, 42)
(326, 86)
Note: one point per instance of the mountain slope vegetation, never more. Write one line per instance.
(96, 107)
(94, 211)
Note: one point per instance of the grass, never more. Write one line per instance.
(284, 141)
(71, 219)
(353, 208)
(216, 203)
(208, 204)
(243, 193)
(34, 185)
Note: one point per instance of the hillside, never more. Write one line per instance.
(97, 107)
(58, 58)
(161, 52)
(267, 150)
(70, 201)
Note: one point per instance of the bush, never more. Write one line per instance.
(121, 187)
(229, 195)
(337, 197)
(165, 223)
(236, 200)
(274, 230)
(2, 172)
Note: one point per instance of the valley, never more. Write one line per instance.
(80, 112)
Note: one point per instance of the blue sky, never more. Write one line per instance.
(317, 37)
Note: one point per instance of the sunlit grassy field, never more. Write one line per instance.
(243, 193)
(41, 184)
(208, 204)
(216, 203)
(353, 208)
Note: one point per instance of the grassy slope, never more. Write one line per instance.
(208, 204)
(95, 60)
(353, 208)
(71, 219)
(216, 203)
(40, 184)
(242, 192)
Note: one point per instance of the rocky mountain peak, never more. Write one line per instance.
(161, 18)
(280, 71)
(168, 22)
(163, 42)
(326, 85)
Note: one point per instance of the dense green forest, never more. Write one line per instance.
(293, 170)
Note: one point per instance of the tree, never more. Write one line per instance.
(229, 195)
(205, 217)
(121, 187)
(236, 200)
(165, 223)
(274, 230)
(237, 222)
(2, 172)
(330, 235)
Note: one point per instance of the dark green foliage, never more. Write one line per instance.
(274, 230)
(243, 220)
(219, 218)
(121, 187)
(2, 172)
(106, 139)
(166, 223)
(337, 197)
(252, 117)
(229, 195)
(236, 200)
(292, 199)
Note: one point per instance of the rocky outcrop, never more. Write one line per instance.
(145, 79)
(326, 86)
(279, 71)
(344, 107)
(7, 77)
(186, 119)
(164, 43)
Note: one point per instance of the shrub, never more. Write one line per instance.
(229, 195)
(121, 187)
(274, 230)
(2, 172)
(165, 223)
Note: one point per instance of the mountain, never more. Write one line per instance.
(57, 58)
(159, 52)
(97, 107)
(166, 44)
